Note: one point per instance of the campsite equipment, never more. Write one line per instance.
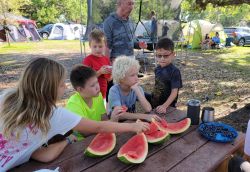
(18, 29)
(193, 111)
(218, 132)
(207, 114)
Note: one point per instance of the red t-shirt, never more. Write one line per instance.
(96, 63)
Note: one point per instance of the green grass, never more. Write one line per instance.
(236, 57)
(42, 46)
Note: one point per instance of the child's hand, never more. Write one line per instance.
(150, 117)
(104, 70)
(139, 127)
(116, 113)
(135, 87)
(161, 109)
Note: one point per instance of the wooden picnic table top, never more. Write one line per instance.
(181, 153)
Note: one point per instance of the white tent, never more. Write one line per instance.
(61, 31)
(78, 30)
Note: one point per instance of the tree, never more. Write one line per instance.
(9, 6)
(51, 11)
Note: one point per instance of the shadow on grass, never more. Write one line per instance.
(238, 119)
(11, 66)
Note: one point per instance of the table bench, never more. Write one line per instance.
(181, 153)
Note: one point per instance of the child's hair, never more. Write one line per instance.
(166, 44)
(32, 103)
(152, 13)
(97, 35)
(80, 74)
(121, 66)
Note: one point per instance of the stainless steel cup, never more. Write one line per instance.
(207, 114)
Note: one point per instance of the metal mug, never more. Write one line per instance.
(207, 114)
(193, 111)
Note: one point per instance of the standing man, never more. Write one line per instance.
(153, 33)
(119, 31)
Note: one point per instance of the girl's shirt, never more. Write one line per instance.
(96, 63)
(116, 98)
(14, 152)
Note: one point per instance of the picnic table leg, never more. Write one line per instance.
(223, 167)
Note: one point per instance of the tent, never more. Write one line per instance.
(61, 31)
(20, 29)
(196, 30)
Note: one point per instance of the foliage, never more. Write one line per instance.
(52, 11)
(228, 15)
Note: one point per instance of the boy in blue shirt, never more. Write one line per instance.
(167, 77)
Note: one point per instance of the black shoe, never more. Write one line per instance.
(234, 164)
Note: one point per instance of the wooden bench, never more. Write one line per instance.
(187, 152)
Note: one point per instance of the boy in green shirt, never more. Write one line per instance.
(88, 102)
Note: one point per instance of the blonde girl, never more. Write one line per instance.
(29, 116)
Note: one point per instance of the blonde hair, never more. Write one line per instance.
(121, 66)
(31, 104)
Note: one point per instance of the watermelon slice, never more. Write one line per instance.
(102, 144)
(156, 136)
(135, 150)
(173, 128)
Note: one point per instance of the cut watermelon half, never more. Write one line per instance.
(135, 150)
(173, 128)
(156, 136)
(102, 144)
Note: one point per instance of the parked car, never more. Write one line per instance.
(241, 35)
(45, 31)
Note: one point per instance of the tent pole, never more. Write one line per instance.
(81, 35)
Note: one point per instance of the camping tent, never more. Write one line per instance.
(61, 31)
(20, 29)
(196, 30)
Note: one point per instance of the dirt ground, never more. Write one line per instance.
(204, 78)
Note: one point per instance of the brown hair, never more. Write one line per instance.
(80, 74)
(97, 35)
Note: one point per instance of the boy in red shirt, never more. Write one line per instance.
(97, 60)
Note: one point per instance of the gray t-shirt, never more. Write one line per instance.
(120, 36)
(116, 98)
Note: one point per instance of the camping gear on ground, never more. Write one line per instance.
(18, 29)
(218, 132)
(193, 111)
(207, 114)
(195, 31)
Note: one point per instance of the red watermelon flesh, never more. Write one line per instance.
(134, 150)
(155, 135)
(174, 128)
(152, 128)
(102, 142)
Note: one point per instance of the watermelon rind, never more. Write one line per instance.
(95, 154)
(160, 140)
(127, 160)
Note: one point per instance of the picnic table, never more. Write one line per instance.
(186, 152)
